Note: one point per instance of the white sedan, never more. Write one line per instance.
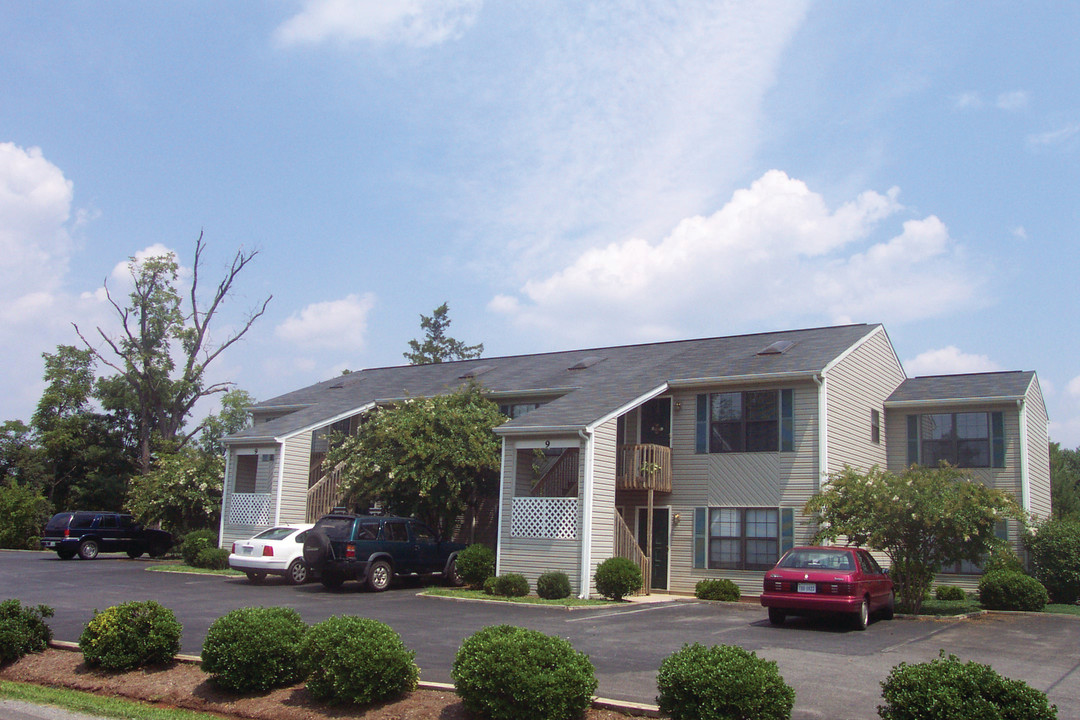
(277, 551)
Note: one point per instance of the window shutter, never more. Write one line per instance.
(699, 537)
(787, 421)
(701, 445)
(997, 439)
(912, 439)
(787, 529)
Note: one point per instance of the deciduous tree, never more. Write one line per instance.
(1065, 482)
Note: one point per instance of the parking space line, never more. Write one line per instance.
(910, 641)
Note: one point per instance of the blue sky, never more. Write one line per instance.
(564, 174)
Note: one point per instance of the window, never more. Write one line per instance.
(247, 466)
(875, 427)
(750, 421)
(967, 439)
(743, 538)
(516, 410)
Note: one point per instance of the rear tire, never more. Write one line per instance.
(777, 616)
(379, 575)
(134, 554)
(88, 549)
(297, 572)
(332, 579)
(255, 577)
(157, 551)
(862, 618)
(65, 554)
(889, 610)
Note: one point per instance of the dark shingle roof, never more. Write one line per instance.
(994, 386)
(622, 374)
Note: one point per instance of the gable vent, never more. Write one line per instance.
(476, 371)
(777, 348)
(586, 362)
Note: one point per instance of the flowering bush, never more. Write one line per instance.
(182, 492)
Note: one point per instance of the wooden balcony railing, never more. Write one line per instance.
(643, 467)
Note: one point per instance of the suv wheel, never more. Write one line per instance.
(65, 554)
(451, 575)
(134, 554)
(157, 551)
(379, 575)
(88, 549)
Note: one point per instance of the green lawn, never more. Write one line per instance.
(108, 707)
(1063, 609)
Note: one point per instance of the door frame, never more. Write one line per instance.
(638, 510)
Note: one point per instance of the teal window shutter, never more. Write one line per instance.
(787, 529)
(701, 445)
(787, 421)
(912, 439)
(997, 435)
(699, 537)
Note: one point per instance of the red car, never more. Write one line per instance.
(810, 580)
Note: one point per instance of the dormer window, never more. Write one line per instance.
(777, 348)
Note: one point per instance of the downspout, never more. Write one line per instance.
(502, 508)
(586, 516)
(1025, 490)
(823, 430)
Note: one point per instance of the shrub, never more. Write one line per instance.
(356, 660)
(511, 673)
(25, 511)
(254, 649)
(475, 564)
(950, 593)
(722, 682)
(1055, 559)
(489, 586)
(1004, 590)
(947, 688)
(131, 635)
(617, 577)
(553, 585)
(1002, 557)
(22, 630)
(212, 558)
(717, 589)
(510, 585)
(196, 542)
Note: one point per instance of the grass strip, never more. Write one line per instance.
(527, 600)
(108, 707)
(193, 570)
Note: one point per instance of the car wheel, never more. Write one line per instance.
(451, 575)
(862, 617)
(88, 549)
(255, 577)
(890, 609)
(777, 616)
(157, 551)
(378, 576)
(65, 554)
(134, 554)
(332, 579)
(297, 574)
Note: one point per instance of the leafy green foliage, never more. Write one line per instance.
(212, 559)
(1007, 590)
(233, 417)
(357, 660)
(130, 635)
(195, 542)
(511, 673)
(717, 589)
(182, 492)
(489, 585)
(437, 346)
(430, 458)
(510, 585)
(23, 630)
(24, 511)
(922, 518)
(1055, 558)
(947, 688)
(553, 585)
(475, 564)
(949, 593)
(723, 682)
(255, 648)
(617, 577)
(1065, 482)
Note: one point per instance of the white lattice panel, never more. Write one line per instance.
(544, 517)
(251, 509)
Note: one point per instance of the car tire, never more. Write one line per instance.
(157, 551)
(379, 575)
(88, 549)
(65, 554)
(255, 577)
(134, 554)
(297, 572)
(862, 618)
(451, 575)
(777, 616)
(889, 611)
(332, 579)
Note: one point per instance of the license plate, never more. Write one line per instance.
(245, 551)
(807, 587)
(50, 543)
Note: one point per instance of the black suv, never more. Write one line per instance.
(88, 533)
(372, 549)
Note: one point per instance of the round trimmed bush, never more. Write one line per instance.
(553, 585)
(23, 630)
(489, 586)
(1004, 590)
(950, 593)
(254, 649)
(947, 688)
(356, 660)
(131, 635)
(717, 589)
(511, 673)
(475, 564)
(1055, 559)
(510, 585)
(212, 558)
(617, 577)
(195, 542)
(722, 682)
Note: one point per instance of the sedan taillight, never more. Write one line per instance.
(268, 551)
(234, 548)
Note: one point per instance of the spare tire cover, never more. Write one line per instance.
(316, 548)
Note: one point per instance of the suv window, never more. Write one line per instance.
(108, 521)
(336, 528)
(395, 531)
(367, 531)
(59, 521)
(82, 522)
(423, 533)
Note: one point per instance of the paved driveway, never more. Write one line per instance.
(836, 673)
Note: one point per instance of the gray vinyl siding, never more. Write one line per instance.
(603, 518)
(1038, 441)
(858, 384)
(296, 465)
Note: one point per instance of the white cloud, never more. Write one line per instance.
(411, 22)
(949, 361)
(775, 253)
(1020, 232)
(1015, 100)
(339, 324)
(968, 101)
(1073, 388)
(1055, 137)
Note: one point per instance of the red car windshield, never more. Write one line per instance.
(818, 559)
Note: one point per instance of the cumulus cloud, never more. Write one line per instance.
(1015, 100)
(968, 101)
(1058, 136)
(1073, 388)
(411, 22)
(775, 252)
(339, 324)
(949, 361)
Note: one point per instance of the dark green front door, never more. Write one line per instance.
(660, 543)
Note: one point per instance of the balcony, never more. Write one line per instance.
(643, 467)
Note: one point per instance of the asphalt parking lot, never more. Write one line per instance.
(836, 672)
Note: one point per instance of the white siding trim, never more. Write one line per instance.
(1025, 478)
(502, 491)
(586, 514)
(823, 429)
(280, 482)
(225, 493)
